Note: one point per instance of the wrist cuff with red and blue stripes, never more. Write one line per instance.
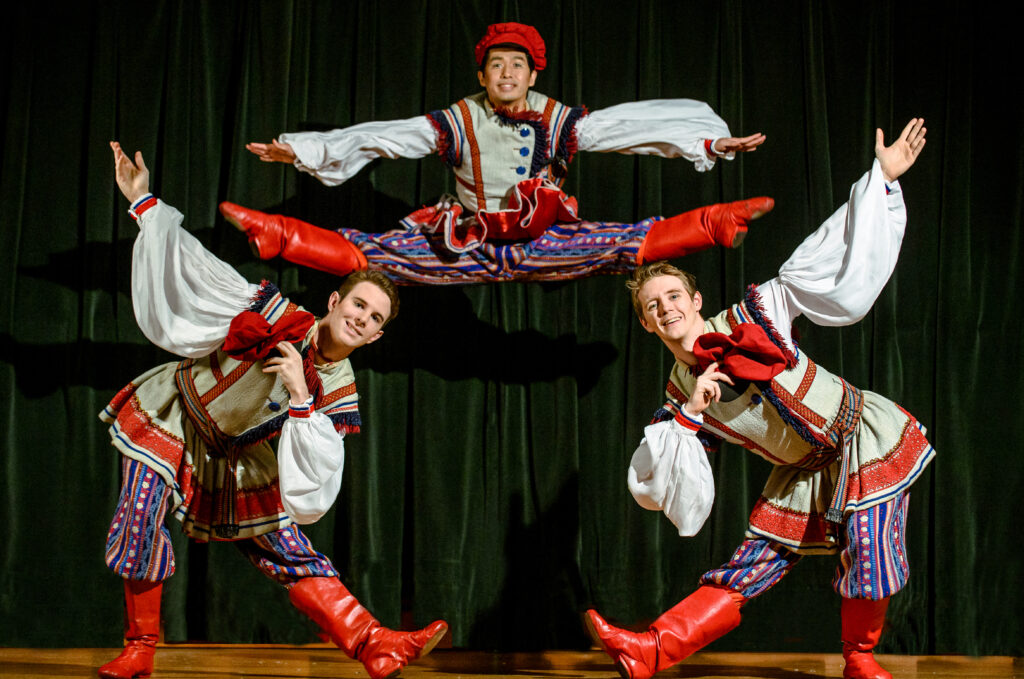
(689, 422)
(303, 410)
(141, 205)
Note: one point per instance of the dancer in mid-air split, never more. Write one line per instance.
(194, 435)
(509, 148)
(845, 458)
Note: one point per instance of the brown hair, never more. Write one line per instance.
(378, 279)
(646, 272)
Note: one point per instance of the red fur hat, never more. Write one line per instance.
(522, 35)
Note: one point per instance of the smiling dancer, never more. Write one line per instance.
(509, 148)
(845, 458)
(194, 435)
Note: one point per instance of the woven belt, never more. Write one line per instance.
(840, 434)
(222, 520)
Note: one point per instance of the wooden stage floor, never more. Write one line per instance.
(186, 661)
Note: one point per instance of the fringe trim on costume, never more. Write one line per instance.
(789, 418)
(260, 433)
(662, 414)
(507, 118)
(445, 149)
(346, 423)
(313, 382)
(711, 443)
(542, 142)
(752, 300)
(266, 291)
(568, 143)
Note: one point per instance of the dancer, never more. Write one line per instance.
(845, 458)
(509, 148)
(194, 435)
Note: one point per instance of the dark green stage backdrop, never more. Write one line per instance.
(488, 487)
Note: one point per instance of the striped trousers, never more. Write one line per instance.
(872, 565)
(562, 252)
(139, 544)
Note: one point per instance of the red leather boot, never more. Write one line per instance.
(684, 629)
(382, 651)
(142, 605)
(721, 224)
(862, 627)
(297, 241)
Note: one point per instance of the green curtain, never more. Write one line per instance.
(488, 485)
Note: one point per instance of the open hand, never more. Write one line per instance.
(707, 390)
(132, 178)
(739, 144)
(897, 159)
(289, 367)
(274, 152)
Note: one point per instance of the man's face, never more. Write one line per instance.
(358, 318)
(507, 77)
(671, 312)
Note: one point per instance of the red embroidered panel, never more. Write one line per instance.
(788, 524)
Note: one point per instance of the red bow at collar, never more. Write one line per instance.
(747, 353)
(252, 338)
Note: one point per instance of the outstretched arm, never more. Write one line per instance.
(670, 128)
(837, 273)
(336, 156)
(183, 296)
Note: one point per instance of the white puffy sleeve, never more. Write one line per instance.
(336, 156)
(670, 128)
(310, 462)
(836, 274)
(670, 473)
(183, 296)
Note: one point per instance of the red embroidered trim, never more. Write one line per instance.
(223, 385)
(474, 150)
(805, 383)
(336, 395)
(139, 428)
(788, 523)
(894, 467)
(797, 406)
(675, 393)
(218, 374)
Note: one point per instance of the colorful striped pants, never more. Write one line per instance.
(872, 564)
(562, 252)
(139, 544)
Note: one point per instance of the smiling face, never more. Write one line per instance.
(353, 321)
(672, 313)
(507, 77)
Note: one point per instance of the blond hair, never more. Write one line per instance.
(646, 272)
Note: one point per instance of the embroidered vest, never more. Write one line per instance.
(491, 152)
